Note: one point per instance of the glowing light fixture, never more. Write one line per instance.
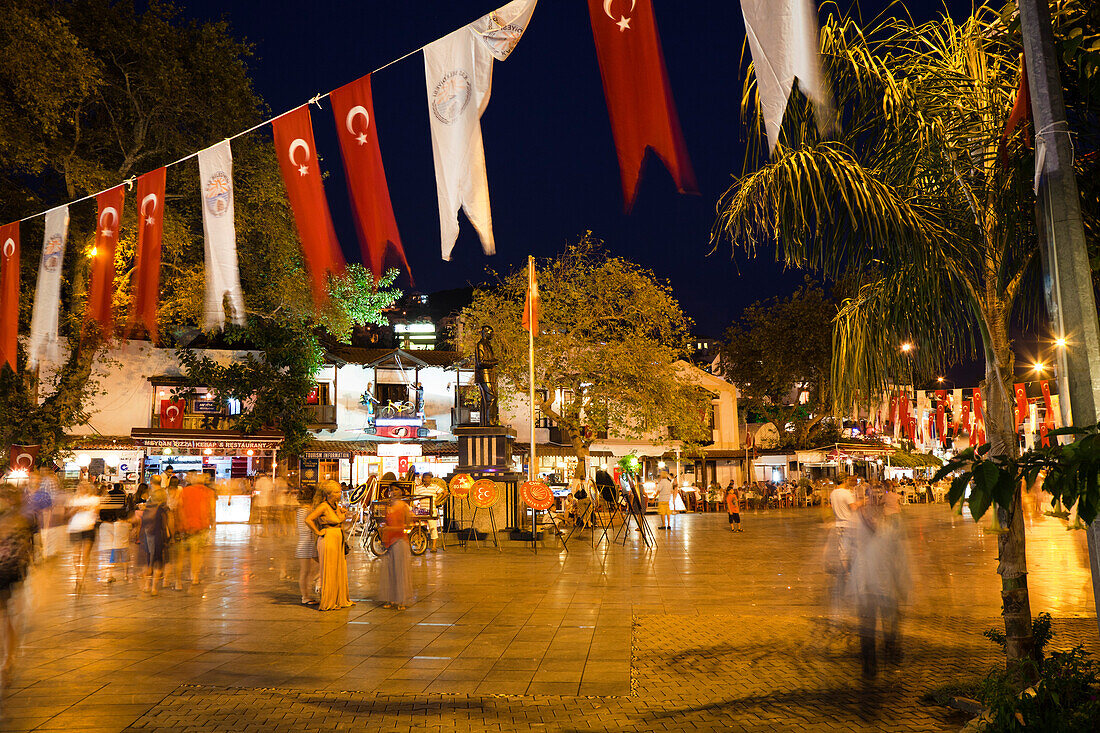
(249, 452)
(1060, 342)
(166, 452)
(84, 460)
(207, 451)
(907, 347)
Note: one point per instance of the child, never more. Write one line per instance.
(733, 507)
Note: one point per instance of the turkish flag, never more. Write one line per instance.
(979, 419)
(638, 93)
(964, 419)
(912, 424)
(531, 301)
(357, 130)
(1043, 437)
(894, 407)
(102, 287)
(1021, 404)
(150, 196)
(22, 457)
(297, 155)
(9, 293)
(941, 412)
(171, 413)
(1045, 385)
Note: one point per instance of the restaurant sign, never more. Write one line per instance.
(231, 444)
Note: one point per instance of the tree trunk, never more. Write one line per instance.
(581, 450)
(1012, 559)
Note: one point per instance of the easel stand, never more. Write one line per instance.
(614, 510)
(634, 512)
(535, 531)
(473, 529)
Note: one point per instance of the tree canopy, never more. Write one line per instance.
(94, 92)
(780, 357)
(610, 334)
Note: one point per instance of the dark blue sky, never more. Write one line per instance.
(550, 155)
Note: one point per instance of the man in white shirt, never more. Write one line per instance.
(844, 503)
(664, 500)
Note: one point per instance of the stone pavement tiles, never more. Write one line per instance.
(709, 631)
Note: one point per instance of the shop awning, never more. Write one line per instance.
(100, 442)
(900, 459)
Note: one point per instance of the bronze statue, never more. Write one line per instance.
(485, 375)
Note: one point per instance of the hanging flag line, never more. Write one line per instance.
(316, 99)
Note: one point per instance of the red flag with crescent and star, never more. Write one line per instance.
(150, 196)
(964, 419)
(22, 457)
(1048, 418)
(941, 413)
(297, 154)
(171, 413)
(357, 129)
(102, 287)
(9, 293)
(639, 96)
(1021, 404)
(979, 419)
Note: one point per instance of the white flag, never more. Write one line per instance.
(458, 69)
(784, 38)
(43, 344)
(222, 276)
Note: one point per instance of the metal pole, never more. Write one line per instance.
(1070, 300)
(531, 357)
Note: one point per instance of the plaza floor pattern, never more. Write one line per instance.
(708, 631)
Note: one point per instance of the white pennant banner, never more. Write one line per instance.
(223, 280)
(783, 36)
(458, 69)
(43, 344)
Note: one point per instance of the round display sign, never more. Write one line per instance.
(461, 483)
(536, 495)
(440, 488)
(484, 493)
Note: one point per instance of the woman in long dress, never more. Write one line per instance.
(396, 585)
(325, 520)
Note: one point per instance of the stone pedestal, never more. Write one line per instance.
(485, 451)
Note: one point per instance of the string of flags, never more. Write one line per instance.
(458, 75)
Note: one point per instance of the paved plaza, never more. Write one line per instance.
(709, 631)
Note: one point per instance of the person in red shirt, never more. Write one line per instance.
(195, 523)
(733, 507)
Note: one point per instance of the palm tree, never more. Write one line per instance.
(912, 202)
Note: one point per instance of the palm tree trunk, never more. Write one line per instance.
(1012, 558)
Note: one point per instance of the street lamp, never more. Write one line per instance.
(1060, 342)
(1039, 367)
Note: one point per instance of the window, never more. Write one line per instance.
(386, 393)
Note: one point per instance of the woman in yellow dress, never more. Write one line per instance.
(325, 520)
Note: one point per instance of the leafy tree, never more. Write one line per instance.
(93, 92)
(272, 384)
(781, 349)
(610, 335)
(913, 202)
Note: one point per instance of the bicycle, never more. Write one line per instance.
(394, 408)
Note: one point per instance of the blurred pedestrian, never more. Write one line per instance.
(114, 533)
(664, 500)
(326, 521)
(154, 532)
(396, 582)
(195, 517)
(16, 548)
(306, 550)
(83, 514)
(733, 507)
(879, 582)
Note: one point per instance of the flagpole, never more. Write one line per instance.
(531, 359)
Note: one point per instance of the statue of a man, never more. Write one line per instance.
(485, 376)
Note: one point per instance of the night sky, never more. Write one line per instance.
(550, 155)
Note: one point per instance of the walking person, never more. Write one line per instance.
(306, 549)
(154, 531)
(16, 548)
(396, 583)
(733, 507)
(664, 500)
(83, 508)
(326, 521)
(195, 524)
